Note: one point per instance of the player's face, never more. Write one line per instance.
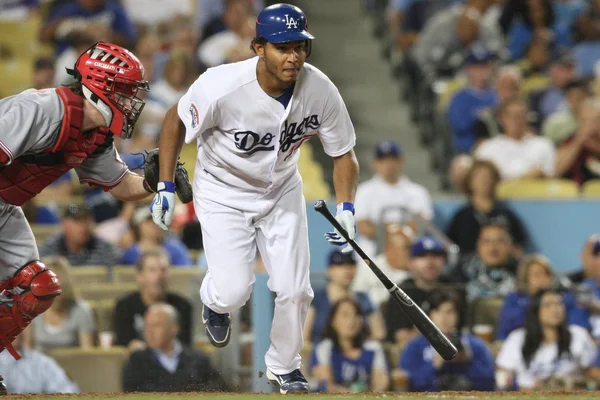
(342, 274)
(445, 317)
(552, 310)
(285, 60)
(347, 321)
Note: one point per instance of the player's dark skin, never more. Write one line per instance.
(279, 65)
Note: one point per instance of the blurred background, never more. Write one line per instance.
(478, 136)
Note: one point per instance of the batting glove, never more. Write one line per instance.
(345, 216)
(163, 204)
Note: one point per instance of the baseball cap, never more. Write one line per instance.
(77, 211)
(427, 245)
(479, 55)
(595, 243)
(388, 148)
(336, 257)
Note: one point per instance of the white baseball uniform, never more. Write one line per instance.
(248, 191)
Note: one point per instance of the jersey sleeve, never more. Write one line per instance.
(26, 126)
(196, 111)
(105, 169)
(336, 131)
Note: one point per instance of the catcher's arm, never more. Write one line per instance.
(171, 139)
(131, 188)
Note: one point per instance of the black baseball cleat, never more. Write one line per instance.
(3, 389)
(217, 327)
(294, 382)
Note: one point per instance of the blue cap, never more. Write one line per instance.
(336, 257)
(595, 241)
(281, 23)
(479, 55)
(427, 245)
(388, 148)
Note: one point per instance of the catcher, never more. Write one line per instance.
(44, 134)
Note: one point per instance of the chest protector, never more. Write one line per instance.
(28, 175)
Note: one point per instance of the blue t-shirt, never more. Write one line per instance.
(417, 360)
(514, 313)
(322, 306)
(176, 250)
(348, 371)
(594, 318)
(462, 114)
(111, 13)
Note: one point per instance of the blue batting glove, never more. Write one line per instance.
(163, 204)
(345, 216)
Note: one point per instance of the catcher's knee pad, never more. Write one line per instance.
(35, 288)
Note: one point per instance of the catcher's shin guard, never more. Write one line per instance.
(35, 289)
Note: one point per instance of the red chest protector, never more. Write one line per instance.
(28, 175)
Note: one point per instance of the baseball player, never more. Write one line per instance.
(44, 134)
(248, 120)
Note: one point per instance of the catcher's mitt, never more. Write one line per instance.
(151, 177)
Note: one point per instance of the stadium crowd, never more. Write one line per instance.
(501, 90)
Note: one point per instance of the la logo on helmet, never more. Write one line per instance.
(290, 22)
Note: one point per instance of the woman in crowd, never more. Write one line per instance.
(482, 208)
(69, 322)
(546, 352)
(345, 361)
(533, 274)
(471, 369)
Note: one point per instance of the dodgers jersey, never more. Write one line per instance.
(246, 138)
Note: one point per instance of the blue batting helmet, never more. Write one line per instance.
(282, 23)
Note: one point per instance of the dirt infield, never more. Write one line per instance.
(260, 396)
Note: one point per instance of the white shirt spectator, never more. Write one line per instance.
(165, 95)
(154, 12)
(34, 373)
(366, 281)
(545, 362)
(213, 51)
(514, 158)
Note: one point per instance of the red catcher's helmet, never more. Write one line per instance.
(111, 77)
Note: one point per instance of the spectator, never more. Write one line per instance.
(518, 153)
(483, 207)
(468, 102)
(341, 270)
(18, 10)
(77, 45)
(428, 257)
(35, 372)
(153, 279)
(590, 255)
(590, 299)
(578, 157)
(547, 349)
(229, 46)
(389, 196)
(345, 361)
(43, 73)
(441, 45)
(105, 20)
(77, 242)
(159, 15)
(533, 274)
(490, 272)
(562, 124)
(69, 322)
(166, 365)
(394, 262)
(587, 36)
(509, 83)
(233, 15)
(471, 369)
(149, 236)
(178, 75)
(546, 102)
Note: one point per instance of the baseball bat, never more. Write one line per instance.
(416, 315)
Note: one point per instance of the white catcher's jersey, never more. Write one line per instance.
(246, 138)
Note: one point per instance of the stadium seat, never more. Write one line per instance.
(95, 369)
(89, 274)
(485, 312)
(591, 189)
(185, 281)
(106, 291)
(537, 189)
(123, 273)
(103, 310)
(42, 232)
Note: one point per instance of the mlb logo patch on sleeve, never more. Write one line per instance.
(194, 113)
